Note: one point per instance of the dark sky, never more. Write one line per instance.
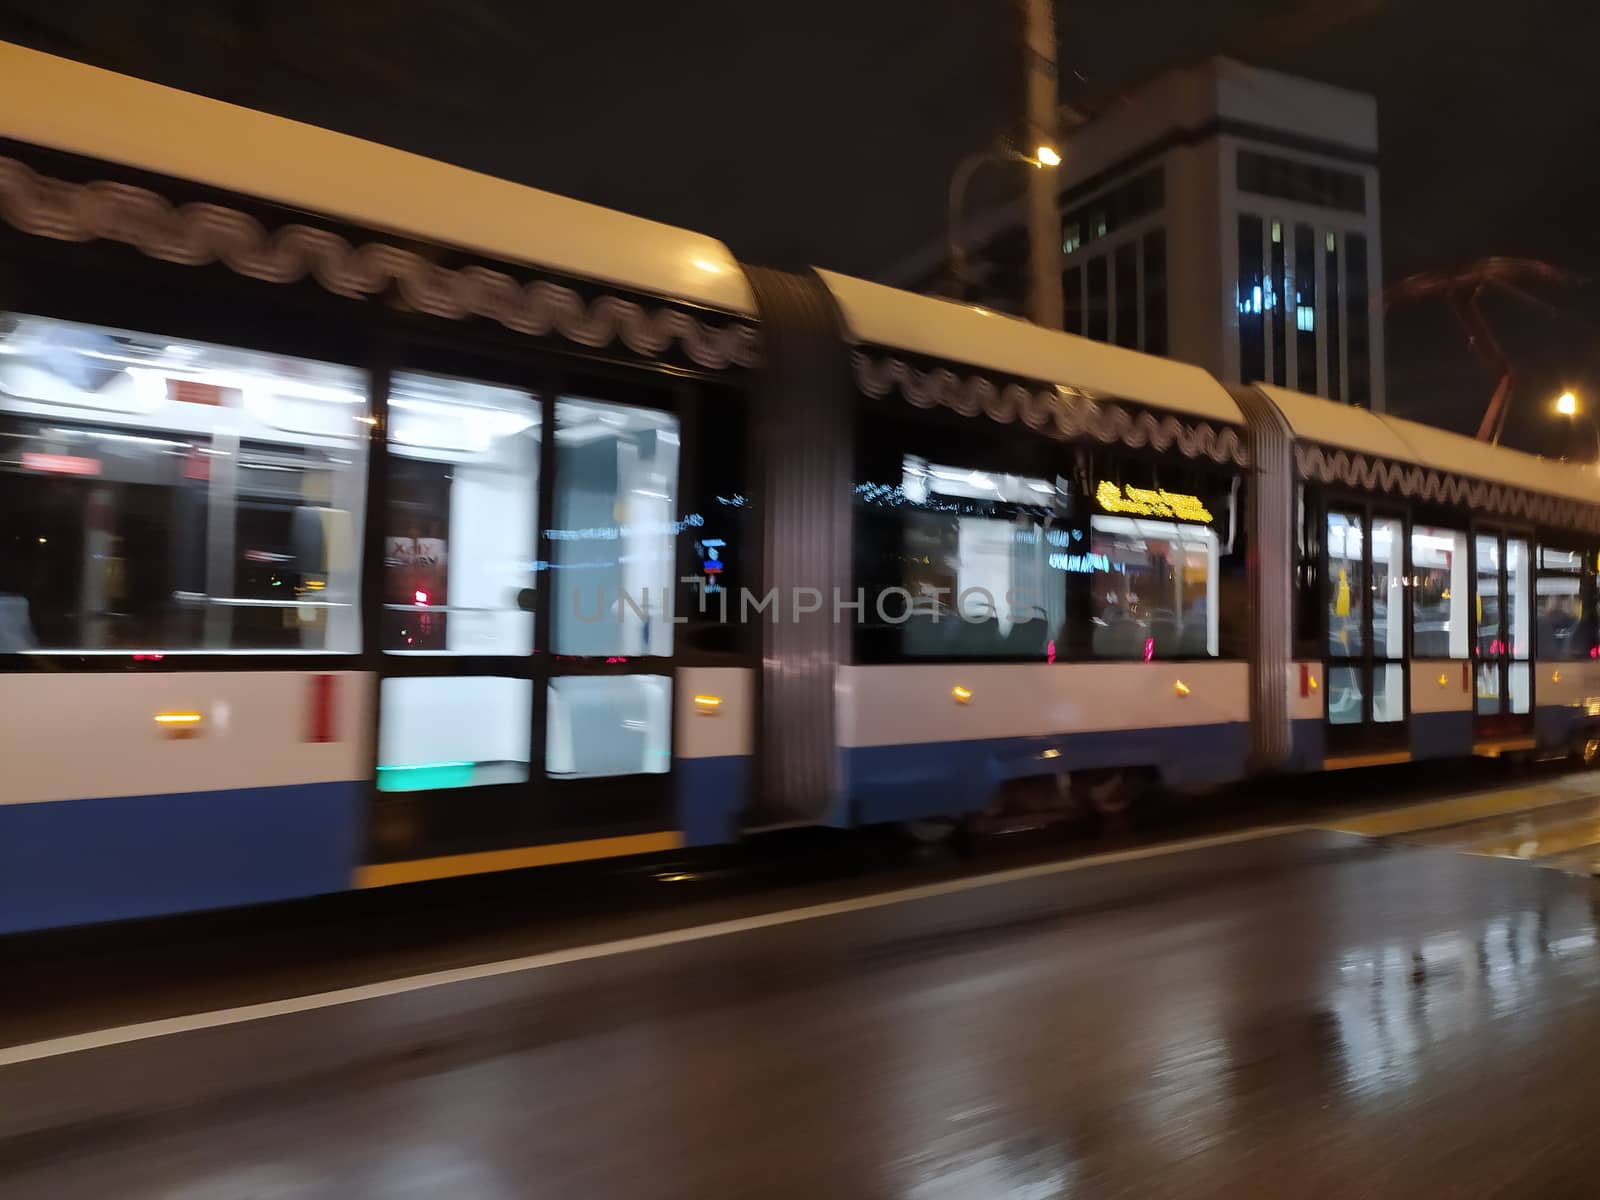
(825, 132)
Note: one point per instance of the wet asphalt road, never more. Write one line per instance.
(1310, 1014)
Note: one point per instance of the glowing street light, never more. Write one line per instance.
(1044, 156)
(1567, 406)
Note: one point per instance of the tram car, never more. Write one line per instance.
(365, 520)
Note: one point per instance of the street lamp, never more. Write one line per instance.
(1044, 156)
(1567, 406)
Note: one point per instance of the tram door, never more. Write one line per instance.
(526, 669)
(1501, 645)
(1366, 623)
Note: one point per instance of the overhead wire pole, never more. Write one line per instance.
(1044, 223)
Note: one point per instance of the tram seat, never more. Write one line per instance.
(1167, 634)
(1027, 640)
(1124, 638)
(1193, 643)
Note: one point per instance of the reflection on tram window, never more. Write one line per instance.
(1347, 586)
(1344, 695)
(1388, 590)
(981, 560)
(161, 494)
(1440, 593)
(1518, 608)
(458, 547)
(609, 725)
(1154, 589)
(1486, 599)
(612, 542)
(1561, 631)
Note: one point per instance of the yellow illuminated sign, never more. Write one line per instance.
(1147, 502)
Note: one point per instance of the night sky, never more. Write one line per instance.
(826, 132)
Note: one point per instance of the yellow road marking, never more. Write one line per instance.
(1455, 811)
(1564, 839)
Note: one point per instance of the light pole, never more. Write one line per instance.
(1044, 157)
(1567, 406)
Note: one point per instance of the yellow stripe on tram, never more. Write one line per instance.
(1456, 811)
(418, 869)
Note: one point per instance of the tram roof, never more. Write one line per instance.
(54, 102)
(1313, 419)
(886, 316)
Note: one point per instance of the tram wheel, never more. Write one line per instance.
(1588, 749)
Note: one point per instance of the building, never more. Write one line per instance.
(1220, 214)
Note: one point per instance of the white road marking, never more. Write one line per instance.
(122, 1034)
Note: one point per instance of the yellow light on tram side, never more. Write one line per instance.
(1555, 676)
(1181, 688)
(1444, 680)
(961, 694)
(178, 718)
(707, 705)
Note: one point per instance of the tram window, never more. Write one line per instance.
(609, 725)
(1308, 599)
(1517, 606)
(1344, 695)
(1388, 589)
(1561, 631)
(168, 495)
(1154, 591)
(1440, 593)
(612, 538)
(959, 562)
(1388, 692)
(453, 731)
(1347, 586)
(459, 544)
(715, 535)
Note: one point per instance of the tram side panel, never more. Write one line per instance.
(943, 739)
(136, 794)
(715, 722)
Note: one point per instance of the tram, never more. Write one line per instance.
(365, 520)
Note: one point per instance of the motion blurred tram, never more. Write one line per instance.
(364, 520)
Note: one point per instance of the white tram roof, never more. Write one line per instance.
(57, 103)
(886, 316)
(1313, 419)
